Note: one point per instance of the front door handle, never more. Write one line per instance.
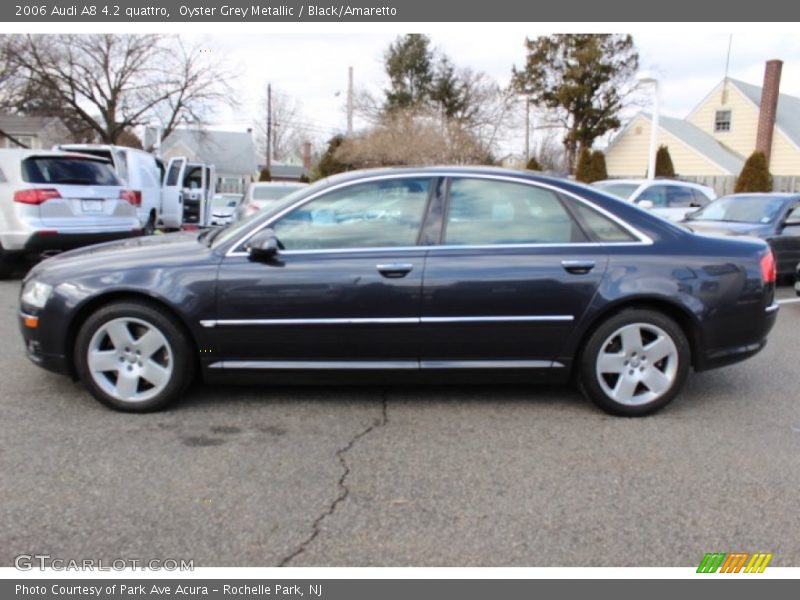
(394, 270)
(577, 267)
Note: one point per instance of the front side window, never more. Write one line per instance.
(482, 212)
(377, 214)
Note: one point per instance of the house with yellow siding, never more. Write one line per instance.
(719, 134)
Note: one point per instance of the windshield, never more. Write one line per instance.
(620, 190)
(232, 231)
(741, 209)
(273, 192)
(68, 170)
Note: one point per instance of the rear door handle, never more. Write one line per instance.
(394, 270)
(578, 267)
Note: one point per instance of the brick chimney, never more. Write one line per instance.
(307, 155)
(769, 106)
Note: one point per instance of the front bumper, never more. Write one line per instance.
(57, 363)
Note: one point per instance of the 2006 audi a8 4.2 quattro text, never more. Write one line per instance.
(431, 273)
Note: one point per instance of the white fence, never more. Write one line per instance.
(724, 184)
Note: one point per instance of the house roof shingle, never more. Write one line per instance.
(229, 151)
(702, 142)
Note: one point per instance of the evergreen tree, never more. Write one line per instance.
(664, 166)
(755, 176)
(583, 169)
(265, 175)
(598, 166)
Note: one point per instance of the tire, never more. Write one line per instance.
(150, 226)
(132, 357)
(634, 363)
(8, 262)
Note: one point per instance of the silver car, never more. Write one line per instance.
(52, 201)
(669, 198)
(264, 193)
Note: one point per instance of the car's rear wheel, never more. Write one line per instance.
(132, 357)
(634, 363)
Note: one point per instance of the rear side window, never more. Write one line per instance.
(488, 212)
(122, 165)
(600, 227)
(68, 170)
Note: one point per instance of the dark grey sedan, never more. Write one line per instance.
(774, 218)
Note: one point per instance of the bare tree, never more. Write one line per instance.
(102, 85)
(289, 128)
(413, 137)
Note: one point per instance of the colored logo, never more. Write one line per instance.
(735, 562)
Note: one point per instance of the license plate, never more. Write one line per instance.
(92, 206)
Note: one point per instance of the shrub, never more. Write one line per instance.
(664, 167)
(755, 176)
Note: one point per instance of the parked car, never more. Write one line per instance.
(140, 171)
(52, 201)
(445, 273)
(774, 218)
(171, 196)
(669, 198)
(222, 208)
(261, 194)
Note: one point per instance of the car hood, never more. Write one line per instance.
(172, 249)
(728, 228)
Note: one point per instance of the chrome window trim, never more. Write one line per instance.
(209, 323)
(644, 240)
(379, 365)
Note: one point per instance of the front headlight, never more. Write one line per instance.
(36, 294)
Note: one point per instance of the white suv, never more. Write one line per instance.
(52, 201)
(669, 198)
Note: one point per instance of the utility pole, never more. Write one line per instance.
(527, 130)
(269, 127)
(349, 100)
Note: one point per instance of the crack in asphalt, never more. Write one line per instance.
(344, 490)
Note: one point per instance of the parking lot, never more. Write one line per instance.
(395, 476)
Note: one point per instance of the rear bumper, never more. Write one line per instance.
(40, 242)
(720, 357)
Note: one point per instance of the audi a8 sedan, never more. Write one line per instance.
(427, 274)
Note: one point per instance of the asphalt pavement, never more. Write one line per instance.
(491, 475)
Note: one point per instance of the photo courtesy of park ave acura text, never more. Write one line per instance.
(480, 296)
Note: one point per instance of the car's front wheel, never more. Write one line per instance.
(132, 357)
(634, 363)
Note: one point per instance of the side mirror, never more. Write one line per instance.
(645, 204)
(263, 245)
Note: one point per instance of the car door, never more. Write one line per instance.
(786, 241)
(344, 292)
(513, 275)
(172, 193)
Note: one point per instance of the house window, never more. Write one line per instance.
(722, 120)
(27, 140)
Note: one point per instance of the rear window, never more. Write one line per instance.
(68, 170)
(273, 192)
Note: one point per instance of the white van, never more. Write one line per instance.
(171, 197)
(141, 171)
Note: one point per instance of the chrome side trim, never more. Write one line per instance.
(383, 321)
(772, 307)
(487, 364)
(379, 365)
(317, 365)
(510, 319)
(347, 321)
(643, 239)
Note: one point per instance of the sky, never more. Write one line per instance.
(312, 67)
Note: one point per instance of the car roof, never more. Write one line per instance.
(22, 153)
(656, 180)
(780, 195)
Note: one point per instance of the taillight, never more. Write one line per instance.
(134, 197)
(769, 271)
(35, 196)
